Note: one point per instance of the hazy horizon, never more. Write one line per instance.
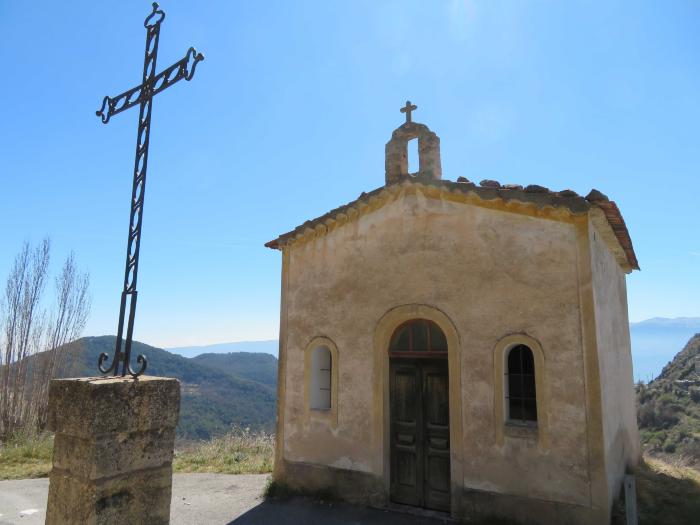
(654, 343)
(241, 341)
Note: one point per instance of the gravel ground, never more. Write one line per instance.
(213, 499)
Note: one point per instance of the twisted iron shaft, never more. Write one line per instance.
(142, 94)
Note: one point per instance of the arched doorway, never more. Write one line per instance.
(419, 416)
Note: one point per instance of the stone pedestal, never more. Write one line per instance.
(113, 450)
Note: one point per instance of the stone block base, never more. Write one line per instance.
(139, 497)
(113, 450)
(360, 488)
(363, 488)
(484, 505)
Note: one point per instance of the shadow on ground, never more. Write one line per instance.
(666, 494)
(307, 512)
(667, 498)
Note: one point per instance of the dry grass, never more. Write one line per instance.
(667, 493)
(238, 452)
(26, 456)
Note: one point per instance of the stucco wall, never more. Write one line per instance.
(493, 273)
(620, 435)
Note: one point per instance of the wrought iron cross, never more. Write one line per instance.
(408, 108)
(142, 95)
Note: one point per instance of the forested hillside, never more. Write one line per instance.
(248, 365)
(213, 398)
(669, 407)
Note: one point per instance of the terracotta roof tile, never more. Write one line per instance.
(617, 223)
(490, 190)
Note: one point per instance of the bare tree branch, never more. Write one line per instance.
(32, 341)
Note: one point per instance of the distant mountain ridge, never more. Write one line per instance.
(669, 407)
(685, 366)
(214, 398)
(258, 367)
(268, 347)
(656, 341)
(691, 323)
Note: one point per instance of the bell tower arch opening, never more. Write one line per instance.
(412, 157)
(400, 164)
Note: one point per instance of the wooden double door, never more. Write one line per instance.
(420, 433)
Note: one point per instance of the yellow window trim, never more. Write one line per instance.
(503, 427)
(328, 415)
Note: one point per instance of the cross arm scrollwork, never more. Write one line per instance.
(143, 96)
(179, 70)
(183, 68)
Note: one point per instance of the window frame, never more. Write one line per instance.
(316, 401)
(521, 375)
(326, 415)
(506, 428)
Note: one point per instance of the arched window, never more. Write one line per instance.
(418, 338)
(520, 394)
(320, 388)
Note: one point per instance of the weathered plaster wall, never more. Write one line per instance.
(621, 439)
(493, 273)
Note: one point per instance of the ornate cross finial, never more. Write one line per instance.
(142, 96)
(407, 109)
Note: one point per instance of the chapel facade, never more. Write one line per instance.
(458, 347)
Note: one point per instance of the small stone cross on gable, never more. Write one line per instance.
(408, 108)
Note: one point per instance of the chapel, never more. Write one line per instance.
(458, 347)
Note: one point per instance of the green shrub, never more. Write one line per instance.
(646, 415)
(666, 415)
(695, 394)
(26, 455)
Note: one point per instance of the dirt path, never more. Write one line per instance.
(212, 499)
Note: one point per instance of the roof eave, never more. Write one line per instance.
(566, 199)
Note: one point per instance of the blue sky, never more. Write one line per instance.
(288, 117)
